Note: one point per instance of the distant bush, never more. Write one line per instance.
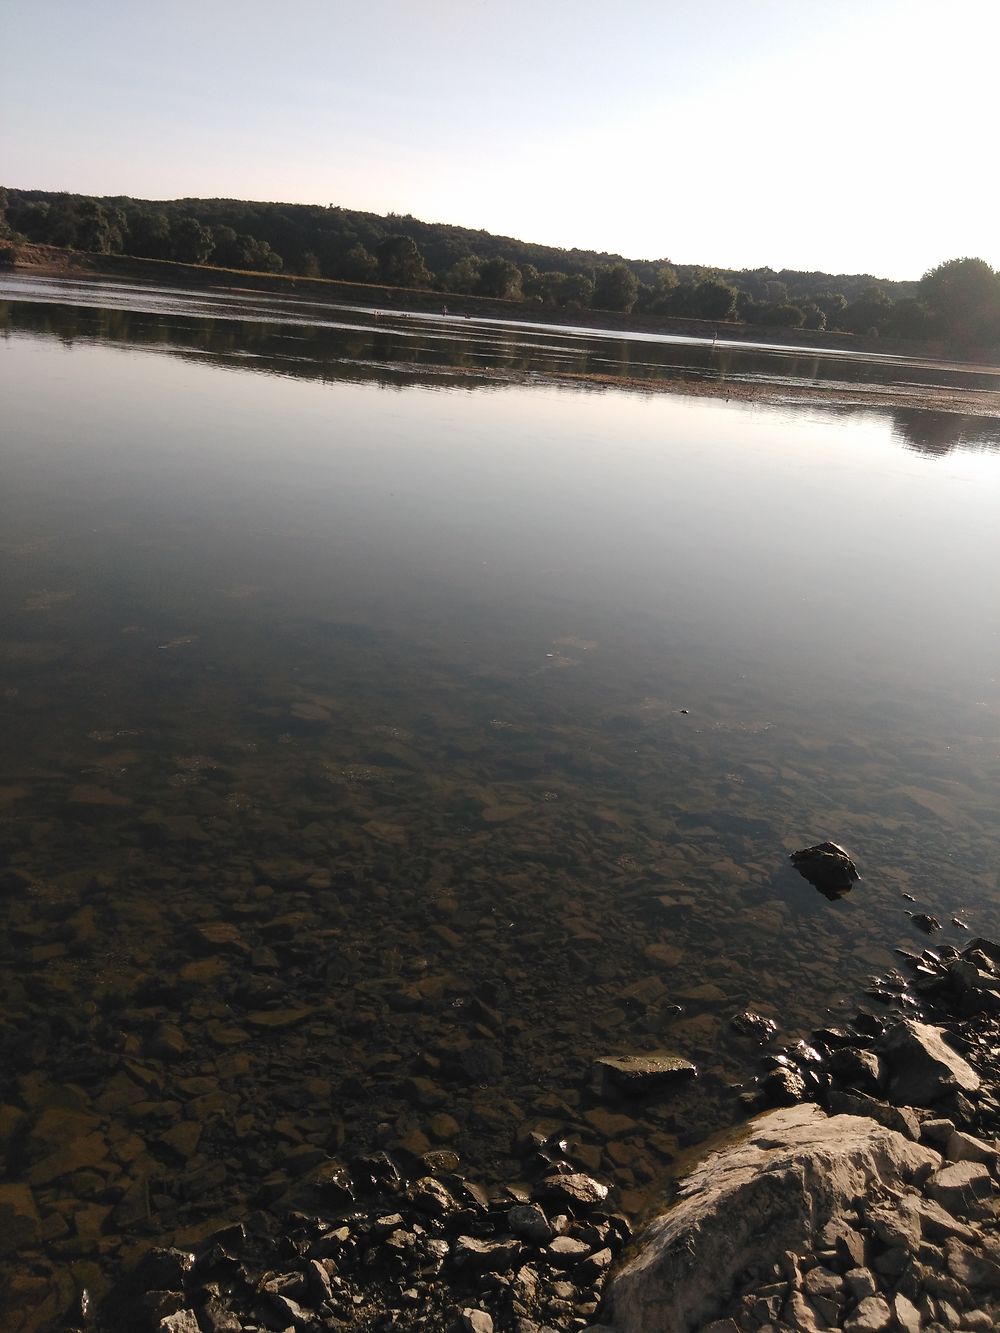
(8, 255)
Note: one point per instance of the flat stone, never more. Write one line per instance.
(960, 1186)
(937, 1224)
(575, 1189)
(895, 1224)
(220, 936)
(962, 1147)
(565, 1251)
(644, 1073)
(471, 1320)
(277, 1019)
(973, 1267)
(907, 1314)
(937, 1132)
(819, 1281)
(872, 1316)
(487, 1256)
(84, 1152)
(923, 1067)
(19, 1220)
(183, 1138)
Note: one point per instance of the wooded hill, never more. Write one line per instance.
(959, 301)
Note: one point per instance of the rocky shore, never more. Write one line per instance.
(862, 1195)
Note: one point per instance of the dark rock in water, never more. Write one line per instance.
(827, 867)
(925, 921)
(162, 1269)
(637, 1074)
(752, 1024)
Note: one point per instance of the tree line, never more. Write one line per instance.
(959, 301)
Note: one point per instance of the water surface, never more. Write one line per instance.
(384, 740)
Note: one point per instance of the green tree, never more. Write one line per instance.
(531, 282)
(357, 265)
(813, 317)
(241, 250)
(713, 299)
(401, 264)
(577, 291)
(148, 235)
(500, 278)
(783, 316)
(832, 304)
(190, 242)
(98, 229)
(868, 314)
(615, 288)
(963, 298)
(463, 276)
(910, 318)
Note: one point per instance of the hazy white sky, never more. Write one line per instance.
(844, 135)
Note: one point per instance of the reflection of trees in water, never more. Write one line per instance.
(939, 432)
(426, 352)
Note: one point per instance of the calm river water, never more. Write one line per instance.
(385, 737)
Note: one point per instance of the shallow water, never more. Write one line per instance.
(383, 741)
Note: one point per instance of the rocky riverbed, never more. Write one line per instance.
(862, 1195)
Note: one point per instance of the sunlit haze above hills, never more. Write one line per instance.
(842, 135)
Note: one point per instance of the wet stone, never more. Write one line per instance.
(19, 1220)
(494, 1256)
(827, 867)
(574, 1189)
(529, 1221)
(636, 1075)
(566, 1251)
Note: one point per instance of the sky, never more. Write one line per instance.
(851, 136)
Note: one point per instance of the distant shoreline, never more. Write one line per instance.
(55, 261)
(52, 261)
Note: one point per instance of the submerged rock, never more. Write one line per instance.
(636, 1074)
(827, 867)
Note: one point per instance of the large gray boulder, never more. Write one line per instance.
(923, 1067)
(796, 1170)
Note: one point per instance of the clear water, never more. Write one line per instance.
(383, 739)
